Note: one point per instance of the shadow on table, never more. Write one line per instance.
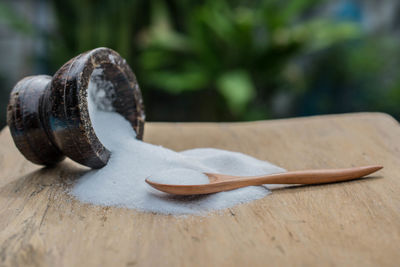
(61, 176)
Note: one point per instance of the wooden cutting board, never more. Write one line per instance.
(353, 223)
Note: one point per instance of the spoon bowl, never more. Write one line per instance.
(221, 182)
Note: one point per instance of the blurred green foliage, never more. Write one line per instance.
(14, 20)
(235, 60)
(239, 51)
(209, 60)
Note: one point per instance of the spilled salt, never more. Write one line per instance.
(122, 181)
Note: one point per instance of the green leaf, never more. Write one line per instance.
(161, 32)
(237, 88)
(319, 34)
(177, 82)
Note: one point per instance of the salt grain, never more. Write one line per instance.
(121, 182)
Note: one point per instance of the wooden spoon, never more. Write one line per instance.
(221, 182)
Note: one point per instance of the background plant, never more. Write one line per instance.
(235, 60)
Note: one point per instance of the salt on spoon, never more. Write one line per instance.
(180, 177)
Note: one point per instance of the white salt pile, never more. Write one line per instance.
(122, 181)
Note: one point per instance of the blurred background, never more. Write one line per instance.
(219, 60)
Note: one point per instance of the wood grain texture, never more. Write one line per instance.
(352, 223)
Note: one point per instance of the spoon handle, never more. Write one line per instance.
(221, 182)
(310, 176)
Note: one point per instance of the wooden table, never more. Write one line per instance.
(353, 223)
